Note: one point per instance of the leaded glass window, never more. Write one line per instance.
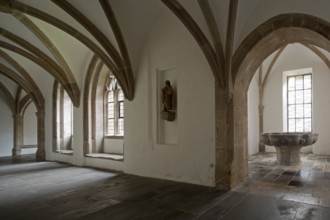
(299, 103)
(114, 108)
(120, 112)
(111, 114)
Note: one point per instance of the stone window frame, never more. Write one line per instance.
(303, 103)
(112, 88)
(59, 98)
(291, 73)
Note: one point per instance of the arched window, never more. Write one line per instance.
(114, 108)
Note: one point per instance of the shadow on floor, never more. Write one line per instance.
(43, 191)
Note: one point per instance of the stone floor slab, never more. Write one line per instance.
(50, 190)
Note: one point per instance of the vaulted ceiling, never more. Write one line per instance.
(46, 40)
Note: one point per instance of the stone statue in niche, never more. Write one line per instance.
(167, 96)
(168, 102)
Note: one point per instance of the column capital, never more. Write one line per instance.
(226, 93)
(17, 116)
(40, 154)
(40, 114)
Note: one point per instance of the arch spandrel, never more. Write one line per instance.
(268, 45)
(280, 31)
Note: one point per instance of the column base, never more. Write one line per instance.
(40, 155)
(16, 152)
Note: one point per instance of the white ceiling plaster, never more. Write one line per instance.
(50, 8)
(98, 18)
(196, 13)
(135, 19)
(10, 84)
(253, 13)
(40, 76)
(11, 24)
(68, 46)
(220, 12)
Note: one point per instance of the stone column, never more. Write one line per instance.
(261, 108)
(224, 119)
(231, 138)
(18, 134)
(261, 126)
(40, 155)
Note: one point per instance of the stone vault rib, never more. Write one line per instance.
(106, 44)
(197, 33)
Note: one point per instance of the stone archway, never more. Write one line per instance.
(266, 39)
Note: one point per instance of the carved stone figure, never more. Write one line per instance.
(167, 97)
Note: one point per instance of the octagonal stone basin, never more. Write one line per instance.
(288, 145)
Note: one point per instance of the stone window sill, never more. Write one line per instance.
(117, 157)
(28, 146)
(67, 152)
(114, 137)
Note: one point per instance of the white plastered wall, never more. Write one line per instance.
(6, 129)
(253, 116)
(30, 125)
(189, 156)
(30, 129)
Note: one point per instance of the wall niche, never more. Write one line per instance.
(167, 122)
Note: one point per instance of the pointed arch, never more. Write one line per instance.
(50, 46)
(91, 136)
(264, 40)
(21, 82)
(291, 20)
(26, 9)
(23, 73)
(87, 106)
(39, 102)
(94, 110)
(71, 87)
(24, 103)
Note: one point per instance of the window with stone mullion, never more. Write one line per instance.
(115, 111)
(110, 114)
(120, 125)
